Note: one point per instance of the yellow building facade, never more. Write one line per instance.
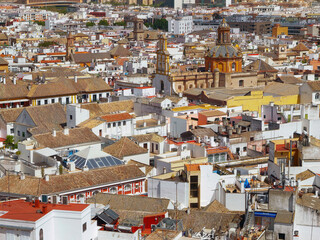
(257, 99)
(277, 30)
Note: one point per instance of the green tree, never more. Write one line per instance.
(122, 23)
(90, 24)
(103, 23)
(47, 43)
(9, 142)
(41, 23)
(161, 24)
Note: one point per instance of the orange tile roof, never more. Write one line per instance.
(26, 211)
(117, 117)
(217, 150)
(50, 61)
(194, 167)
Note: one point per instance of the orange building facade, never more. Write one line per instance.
(224, 56)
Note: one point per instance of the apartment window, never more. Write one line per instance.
(124, 123)
(41, 234)
(70, 117)
(18, 133)
(100, 95)
(52, 100)
(145, 145)
(46, 101)
(194, 186)
(23, 134)
(67, 100)
(193, 205)
(39, 102)
(113, 190)
(114, 124)
(12, 131)
(251, 139)
(216, 158)
(60, 100)
(241, 83)
(317, 96)
(157, 147)
(119, 124)
(109, 125)
(84, 227)
(282, 236)
(127, 187)
(94, 97)
(244, 149)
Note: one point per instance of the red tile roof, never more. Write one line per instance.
(117, 117)
(143, 87)
(26, 211)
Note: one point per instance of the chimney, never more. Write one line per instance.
(212, 143)
(54, 133)
(66, 131)
(37, 203)
(75, 78)
(44, 209)
(22, 176)
(46, 177)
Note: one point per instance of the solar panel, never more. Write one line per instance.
(106, 161)
(89, 165)
(112, 214)
(94, 164)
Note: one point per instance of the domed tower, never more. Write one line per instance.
(224, 56)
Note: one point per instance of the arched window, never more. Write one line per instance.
(127, 187)
(79, 196)
(113, 190)
(241, 83)
(41, 234)
(161, 86)
(317, 96)
(233, 66)
(95, 192)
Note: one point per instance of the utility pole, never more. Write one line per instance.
(290, 158)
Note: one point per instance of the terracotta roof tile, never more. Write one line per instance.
(70, 182)
(75, 136)
(117, 117)
(124, 147)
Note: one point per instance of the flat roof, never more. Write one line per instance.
(26, 211)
